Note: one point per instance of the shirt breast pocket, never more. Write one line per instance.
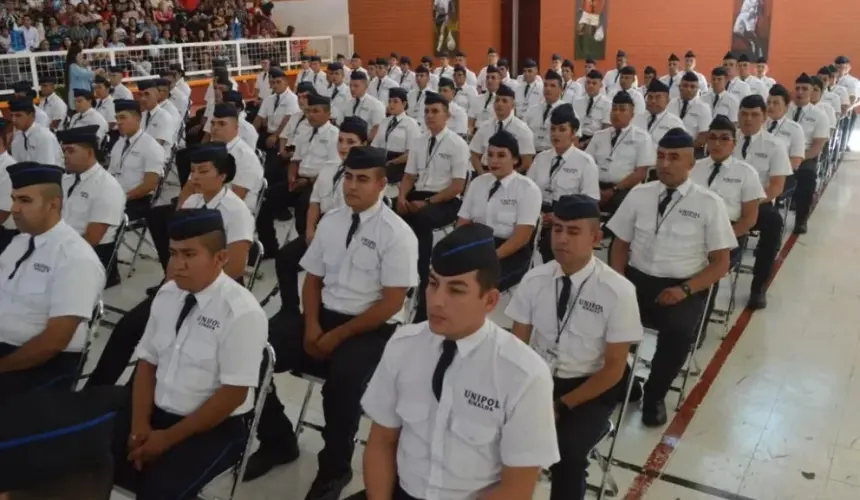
(200, 360)
(507, 215)
(471, 449)
(569, 180)
(416, 419)
(32, 288)
(365, 263)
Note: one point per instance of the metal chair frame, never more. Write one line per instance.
(120, 234)
(92, 333)
(255, 266)
(138, 227)
(722, 316)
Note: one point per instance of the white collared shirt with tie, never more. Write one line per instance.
(397, 133)
(106, 108)
(379, 88)
(6, 188)
(515, 202)
(790, 134)
(54, 107)
(725, 103)
(89, 117)
(368, 108)
(220, 343)
(129, 164)
(435, 168)
(415, 101)
(62, 277)
(736, 181)
(276, 107)
(572, 90)
(37, 144)
(738, 88)
(674, 84)
(572, 172)
(238, 220)
(593, 113)
(264, 89)
(317, 151)
(678, 243)
(296, 128)
(525, 138)
(660, 123)
(527, 96)
(464, 95)
(633, 148)
(494, 410)
(539, 119)
(382, 253)
(93, 197)
(812, 120)
(696, 117)
(482, 109)
(635, 95)
(611, 317)
(767, 154)
(249, 170)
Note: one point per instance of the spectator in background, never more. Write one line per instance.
(183, 36)
(166, 37)
(78, 32)
(30, 33)
(55, 33)
(107, 11)
(78, 76)
(116, 39)
(164, 14)
(5, 40)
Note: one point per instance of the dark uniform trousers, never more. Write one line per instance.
(615, 200)
(769, 226)
(276, 206)
(157, 222)
(678, 326)
(579, 430)
(105, 253)
(287, 269)
(545, 238)
(346, 374)
(183, 470)
(399, 494)
(514, 266)
(804, 181)
(139, 208)
(394, 173)
(735, 257)
(183, 165)
(57, 373)
(431, 217)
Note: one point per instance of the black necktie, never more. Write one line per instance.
(337, 175)
(489, 98)
(74, 185)
(148, 117)
(526, 93)
(555, 164)
(797, 114)
(111, 91)
(651, 121)
(99, 104)
(500, 127)
(661, 207)
(378, 85)
(614, 138)
(277, 102)
(449, 349)
(563, 298)
(190, 302)
(546, 112)
(745, 146)
(671, 81)
(299, 123)
(26, 142)
(334, 93)
(430, 147)
(684, 105)
(31, 247)
(771, 127)
(714, 173)
(126, 146)
(355, 106)
(590, 105)
(402, 76)
(313, 134)
(391, 126)
(496, 186)
(716, 99)
(356, 220)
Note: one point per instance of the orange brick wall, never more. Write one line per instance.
(804, 36)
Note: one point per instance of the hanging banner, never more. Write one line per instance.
(751, 30)
(446, 26)
(591, 29)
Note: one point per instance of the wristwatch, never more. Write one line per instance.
(686, 288)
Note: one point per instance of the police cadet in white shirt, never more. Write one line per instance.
(734, 84)
(529, 93)
(297, 128)
(492, 60)
(590, 65)
(247, 132)
(673, 78)
(745, 75)
(137, 160)
(461, 409)
(504, 120)
(787, 131)
(381, 84)
(627, 83)
(825, 106)
(444, 70)
(179, 92)
(718, 98)
(581, 316)
(481, 109)
(734, 180)
(156, 121)
(564, 169)
(504, 72)
(611, 81)
(839, 90)
(93, 200)
(470, 78)
(103, 101)
(768, 155)
(50, 280)
(262, 89)
(673, 243)
(458, 117)
(538, 116)
(658, 120)
(7, 226)
(197, 370)
(359, 266)
(692, 110)
(393, 70)
(338, 91)
(623, 153)
(816, 129)
(650, 74)
(427, 62)
(85, 114)
(847, 81)
(326, 196)
(396, 134)
(508, 202)
(406, 79)
(690, 67)
(318, 76)
(761, 70)
(50, 102)
(32, 142)
(592, 108)
(434, 180)
(24, 90)
(828, 95)
(355, 65)
(305, 74)
(463, 90)
(363, 105)
(162, 86)
(272, 117)
(416, 96)
(118, 89)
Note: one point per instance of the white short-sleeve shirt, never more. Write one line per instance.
(96, 199)
(594, 118)
(160, 124)
(458, 122)
(379, 88)
(538, 119)
(367, 107)
(525, 138)
(238, 220)
(220, 343)
(37, 144)
(663, 123)
(482, 109)
(516, 202)
(54, 107)
(383, 253)
(737, 182)
(605, 312)
(249, 170)
(527, 96)
(633, 148)
(264, 89)
(812, 120)
(435, 170)
(63, 277)
(106, 108)
(415, 101)
(572, 91)
(397, 133)
(90, 117)
(635, 94)
(296, 127)
(725, 104)
(6, 187)
(328, 188)
(276, 107)
(576, 173)
(143, 155)
(767, 154)
(317, 150)
(495, 410)
(697, 117)
(790, 134)
(121, 92)
(676, 245)
(738, 88)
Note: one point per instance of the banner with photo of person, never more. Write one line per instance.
(751, 27)
(591, 29)
(446, 26)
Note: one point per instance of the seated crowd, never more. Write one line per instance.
(525, 176)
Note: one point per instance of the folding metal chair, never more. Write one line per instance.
(92, 334)
(261, 195)
(139, 229)
(255, 265)
(722, 316)
(120, 234)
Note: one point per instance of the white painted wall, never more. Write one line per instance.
(313, 17)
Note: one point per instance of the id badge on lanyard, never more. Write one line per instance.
(551, 354)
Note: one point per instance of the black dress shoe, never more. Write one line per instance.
(265, 459)
(326, 487)
(654, 413)
(800, 228)
(758, 300)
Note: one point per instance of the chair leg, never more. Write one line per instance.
(300, 423)
(141, 237)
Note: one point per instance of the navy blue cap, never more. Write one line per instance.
(145, 84)
(126, 105)
(467, 248)
(673, 57)
(576, 206)
(87, 135)
(779, 90)
(22, 87)
(225, 110)
(594, 75)
(690, 53)
(621, 53)
(434, 98)
(364, 157)
(719, 71)
(529, 63)
(335, 66)
(730, 56)
(354, 125)
(459, 68)
(567, 63)
(556, 57)
(210, 151)
(657, 86)
(622, 97)
(398, 93)
(564, 114)
(358, 75)
(101, 81)
(722, 122)
(590, 61)
(676, 138)
(162, 82)
(503, 63)
(187, 223)
(305, 87)
(689, 76)
(553, 75)
(427, 59)
(30, 173)
(649, 70)
(627, 70)
(315, 59)
(405, 60)
(753, 101)
(48, 79)
(315, 99)
(276, 73)
(233, 96)
(422, 70)
(505, 91)
(506, 140)
(803, 78)
(446, 82)
(492, 69)
(744, 58)
(841, 60)
(83, 93)
(22, 105)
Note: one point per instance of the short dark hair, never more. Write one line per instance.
(214, 241)
(488, 277)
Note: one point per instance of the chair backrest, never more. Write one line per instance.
(261, 195)
(120, 233)
(92, 330)
(255, 264)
